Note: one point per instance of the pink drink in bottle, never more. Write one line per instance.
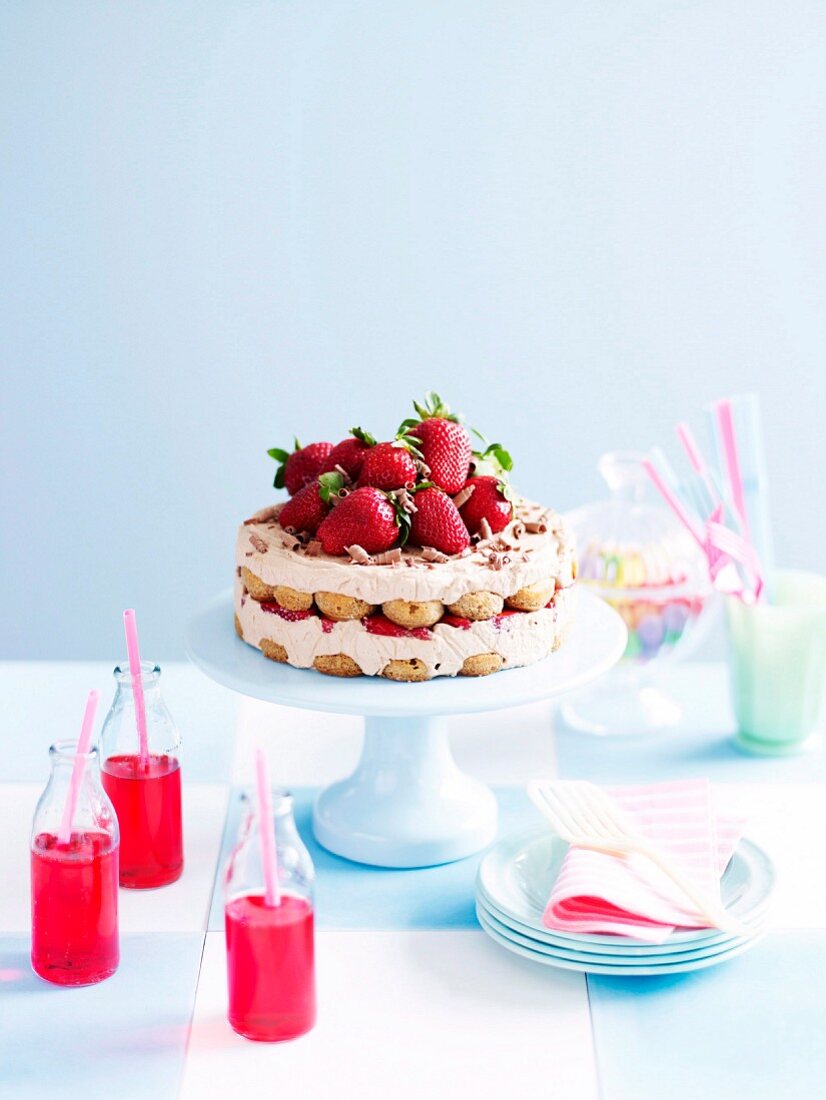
(74, 884)
(270, 948)
(145, 790)
(270, 966)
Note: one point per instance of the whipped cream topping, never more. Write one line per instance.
(521, 639)
(537, 546)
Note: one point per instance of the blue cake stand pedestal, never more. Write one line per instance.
(407, 804)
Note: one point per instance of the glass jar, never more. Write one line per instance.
(145, 791)
(635, 555)
(270, 948)
(74, 884)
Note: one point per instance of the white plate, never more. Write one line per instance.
(616, 970)
(516, 876)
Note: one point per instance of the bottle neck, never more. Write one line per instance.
(64, 754)
(149, 682)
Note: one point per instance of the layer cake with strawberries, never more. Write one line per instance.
(408, 559)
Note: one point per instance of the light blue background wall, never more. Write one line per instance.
(223, 223)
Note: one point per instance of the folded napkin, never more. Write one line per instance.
(630, 896)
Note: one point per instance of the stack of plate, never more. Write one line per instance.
(514, 884)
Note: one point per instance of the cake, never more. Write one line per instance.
(407, 559)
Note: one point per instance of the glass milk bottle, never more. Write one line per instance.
(270, 948)
(74, 876)
(145, 788)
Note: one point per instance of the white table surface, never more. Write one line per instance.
(402, 1012)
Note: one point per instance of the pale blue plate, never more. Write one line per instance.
(620, 969)
(605, 958)
(619, 946)
(516, 876)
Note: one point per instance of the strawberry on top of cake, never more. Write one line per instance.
(407, 558)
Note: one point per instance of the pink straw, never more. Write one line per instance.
(725, 425)
(131, 628)
(64, 833)
(695, 457)
(269, 859)
(675, 504)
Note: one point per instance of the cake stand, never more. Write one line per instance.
(407, 804)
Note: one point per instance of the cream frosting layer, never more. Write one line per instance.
(266, 550)
(521, 639)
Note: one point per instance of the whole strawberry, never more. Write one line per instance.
(388, 466)
(437, 523)
(309, 506)
(490, 500)
(350, 453)
(366, 517)
(443, 442)
(296, 469)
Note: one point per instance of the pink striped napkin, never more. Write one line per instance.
(632, 897)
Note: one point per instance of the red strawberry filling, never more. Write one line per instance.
(380, 624)
(327, 624)
(283, 613)
(455, 620)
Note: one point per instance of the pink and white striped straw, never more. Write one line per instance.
(64, 833)
(725, 424)
(131, 627)
(269, 857)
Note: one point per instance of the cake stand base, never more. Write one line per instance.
(407, 804)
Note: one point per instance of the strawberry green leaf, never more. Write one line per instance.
(410, 443)
(493, 461)
(402, 519)
(433, 406)
(280, 457)
(329, 485)
(364, 436)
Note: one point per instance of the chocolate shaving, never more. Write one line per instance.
(518, 529)
(290, 543)
(497, 560)
(389, 557)
(536, 528)
(358, 554)
(347, 479)
(430, 553)
(464, 495)
(266, 514)
(484, 530)
(313, 548)
(404, 498)
(238, 571)
(258, 543)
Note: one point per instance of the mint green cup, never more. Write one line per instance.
(777, 664)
